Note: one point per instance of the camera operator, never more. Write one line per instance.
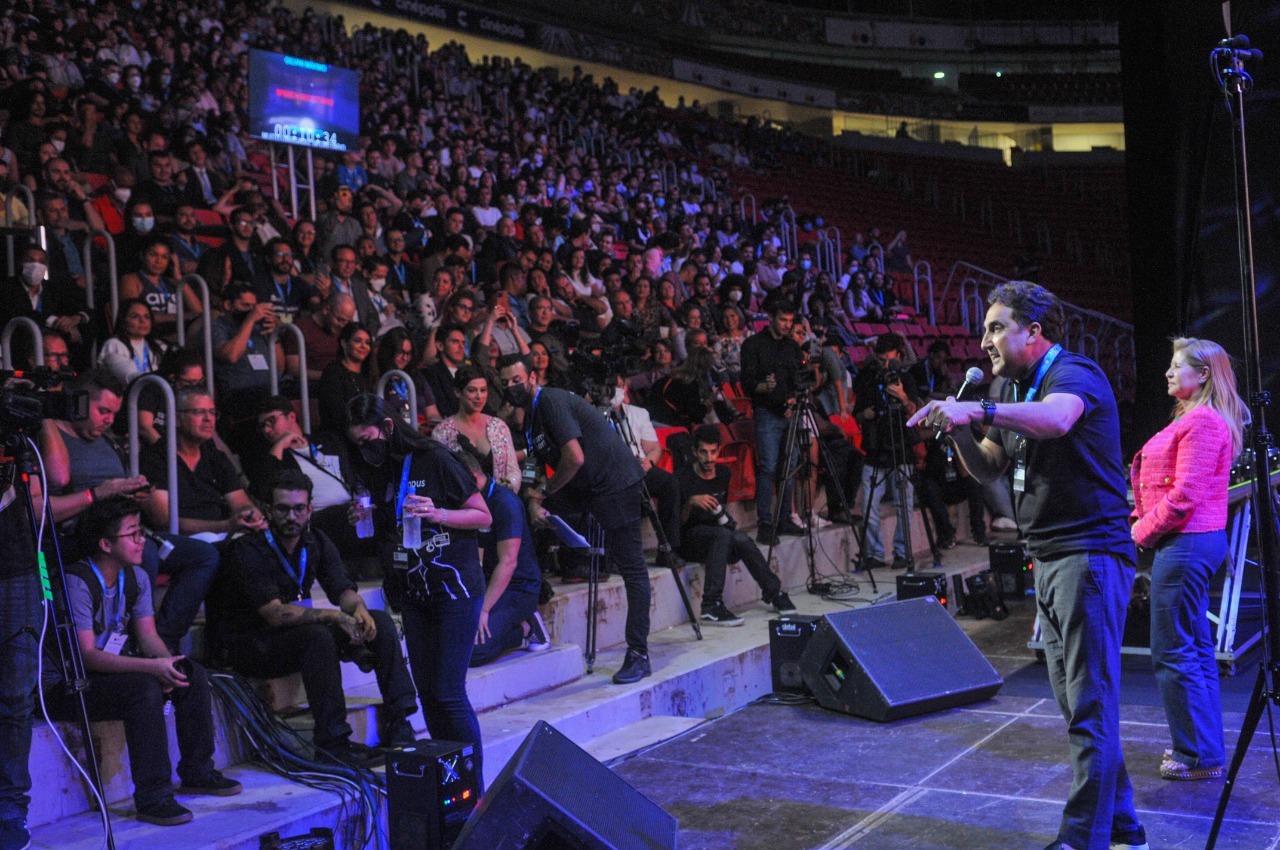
(885, 398)
(711, 536)
(771, 364)
(594, 472)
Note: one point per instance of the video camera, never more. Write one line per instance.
(596, 373)
(28, 397)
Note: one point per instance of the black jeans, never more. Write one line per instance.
(20, 616)
(315, 650)
(506, 625)
(665, 490)
(716, 547)
(137, 699)
(936, 493)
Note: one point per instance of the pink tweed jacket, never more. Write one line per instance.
(506, 469)
(1180, 478)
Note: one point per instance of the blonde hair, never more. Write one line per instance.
(1218, 391)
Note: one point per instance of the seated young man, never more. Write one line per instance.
(261, 623)
(709, 536)
(513, 580)
(131, 672)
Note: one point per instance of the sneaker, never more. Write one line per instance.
(213, 785)
(979, 538)
(782, 603)
(1133, 842)
(1171, 768)
(397, 733)
(537, 639)
(791, 528)
(14, 834)
(164, 813)
(355, 754)
(900, 563)
(1003, 523)
(718, 615)
(634, 668)
(765, 535)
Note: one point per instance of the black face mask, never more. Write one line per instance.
(517, 395)
(375, 452)
(238, 317)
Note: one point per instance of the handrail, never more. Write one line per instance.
(31, 221)
(274, 366)
(670, 175)
(205, 320)
(86, 254)
(170, 435)
(6, 337)
(1085, 340)
(1070, 322)
(927, 277)
(742, 208)
(413, 392)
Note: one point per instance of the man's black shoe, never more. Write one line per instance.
(634, 668)
(718, 615)
(947, 542)
(164, 813)
(900, 563)
(355, 754)
(980, 539)
(213, 785)
(869, 563)
(397, 733)
(765, 535)
(790, 528)
(782, 603)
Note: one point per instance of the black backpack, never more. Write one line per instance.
(84, 572)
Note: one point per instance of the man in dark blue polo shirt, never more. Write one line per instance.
(1056, 425)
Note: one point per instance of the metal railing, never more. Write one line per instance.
(274, 366)
(170, 436)
(787, 232)
(206, 322)
(113, 275)
(925, 277)
(6, 340)
(31, 221)
(412, 418)
(829, 251)
(742, 208)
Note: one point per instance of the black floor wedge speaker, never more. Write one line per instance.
(553, 795)
(895, 660)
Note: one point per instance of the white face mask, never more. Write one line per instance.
(33, 273)
(143, 225)
(377, 283)
(619, 396)
(59, 145)
(113, 77)
(123, 193)
(735, 295)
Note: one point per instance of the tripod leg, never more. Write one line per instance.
(825, 456)
(1250, 725)
(664, 546)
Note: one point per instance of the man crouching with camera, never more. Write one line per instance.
(709, 535)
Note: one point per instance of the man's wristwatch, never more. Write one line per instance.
(988, 411)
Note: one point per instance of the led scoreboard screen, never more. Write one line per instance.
(300, 102)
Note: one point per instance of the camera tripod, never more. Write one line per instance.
(796, 446)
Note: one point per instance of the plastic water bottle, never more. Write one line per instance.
(364, 525)
(412, 532)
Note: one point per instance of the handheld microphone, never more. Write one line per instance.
(972, 377)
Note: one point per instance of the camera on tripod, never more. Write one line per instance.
(597, 372)
(28, 397)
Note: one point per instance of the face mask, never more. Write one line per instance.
(123, 193)
(165, 79)
(377, 283)
(513, 215)
(134, 82)
(33, 273)
(517, 395)
(619, 395)
(59, 145)
(735, 295)
(375, 452)
(113, 78)
(144, 225)
(806, 264)
(659, 202)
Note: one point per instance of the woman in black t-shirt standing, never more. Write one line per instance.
(441, 582)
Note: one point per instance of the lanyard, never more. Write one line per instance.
(528, 428)
(1051, 356)
(144, 365)
(399, 269)
(298, 577)
(404, 486)
(489, 493)
(193, 247)
(399, 388)
(119, 624)
(285, 292)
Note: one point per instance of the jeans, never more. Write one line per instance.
(440, 636)
(936, 493)
(871, 496)
(191, 567)
(665, 490)
(771, 434)
(21, 612)
(506, 625)
(1182, 646)
(715, 547)
(316, 650)
(138, 700)
(1082, 600)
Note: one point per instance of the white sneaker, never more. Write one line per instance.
(1003, 523)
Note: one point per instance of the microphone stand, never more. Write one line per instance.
(1227, 62)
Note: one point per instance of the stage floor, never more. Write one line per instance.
(985, 777)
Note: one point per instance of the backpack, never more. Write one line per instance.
(84, 572)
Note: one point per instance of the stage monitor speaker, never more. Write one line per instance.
(788, 636)
(552, 795)
(895, 660)
(1014, 569)
(432, 786)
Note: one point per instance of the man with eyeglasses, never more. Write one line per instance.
(277, 286)
(345, 278)
(243, 247)
(452, 341)
(84, 466)
(262, 623)
(132, 673)
(211, 502)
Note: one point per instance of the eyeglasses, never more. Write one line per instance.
(136, 535)
(204, 412)
(295, 510)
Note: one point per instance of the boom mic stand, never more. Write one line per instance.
(1227, 61)
(70, 661)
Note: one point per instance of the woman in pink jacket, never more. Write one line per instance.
(1180, 483)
